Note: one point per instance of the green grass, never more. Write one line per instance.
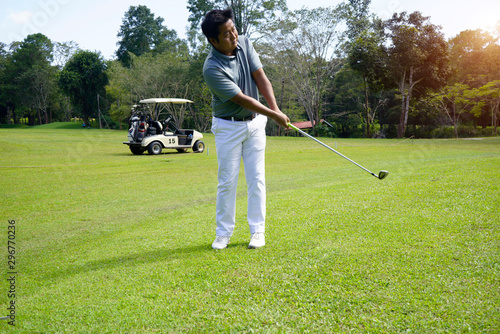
(109, 242)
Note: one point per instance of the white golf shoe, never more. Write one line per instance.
(220, 242)
(258, 240)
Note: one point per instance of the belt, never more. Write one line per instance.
(239, 119)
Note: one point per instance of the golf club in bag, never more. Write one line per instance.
(381, 175)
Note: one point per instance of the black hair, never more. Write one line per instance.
(214, 19)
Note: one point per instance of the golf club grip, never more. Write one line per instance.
(328, 147)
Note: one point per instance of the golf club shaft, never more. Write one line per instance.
(331, 149)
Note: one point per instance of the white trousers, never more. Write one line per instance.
(236, 141)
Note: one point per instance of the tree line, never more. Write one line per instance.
(342, 68)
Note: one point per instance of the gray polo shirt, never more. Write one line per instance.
(226, 76)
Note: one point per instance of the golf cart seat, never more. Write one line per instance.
(155, 128)
(185, 136)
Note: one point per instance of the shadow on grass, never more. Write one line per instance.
(132, 260)
(239, 244)
(137, 259)
(146, 154)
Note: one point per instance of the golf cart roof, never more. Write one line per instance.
(166, 100)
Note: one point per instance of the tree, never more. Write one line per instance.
(474, 58)
(40, 85)
(82, 79)
(366, 54)
(30, 76)
(149, 76)
(171, 43)
(140, 33)
(344, 101)
(304, 42)
(201, 113)
(417, 56)
(5, 101)
(63, 52)
(453, 101)
(249, 15)
(3, 55)
(118, 92)
(490, 95)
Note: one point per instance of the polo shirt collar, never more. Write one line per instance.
(223, 56)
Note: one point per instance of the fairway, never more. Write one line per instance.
(110, 242)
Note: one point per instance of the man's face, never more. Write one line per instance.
(228, 38)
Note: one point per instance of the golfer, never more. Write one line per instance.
(235, 76)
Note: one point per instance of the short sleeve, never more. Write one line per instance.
(253, 56)
(220, 84)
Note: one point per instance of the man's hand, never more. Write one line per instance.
(282, 119)
(252, 104)
(266, 89)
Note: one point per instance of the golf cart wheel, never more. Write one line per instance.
(182, 150)
(155, 148)
(199, 146)
(136, 150)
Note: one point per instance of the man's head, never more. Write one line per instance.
(218, 27)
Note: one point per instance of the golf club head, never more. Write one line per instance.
(382, 174)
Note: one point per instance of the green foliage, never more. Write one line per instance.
(417, 56)
(161, 75)
(303, 43)
(251, 18)
(140, 32)
(249, 15)
(367, 56)
(345, 94)
(29, 80)
(464, 131)
(35, 49)
(319, 68)
(171, 43)
(82, 78)
(474, 58)
(453, 101)
(63, 51)
(490, 95)
(110, 242)
(118, 92)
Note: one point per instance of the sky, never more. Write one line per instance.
(94, 24)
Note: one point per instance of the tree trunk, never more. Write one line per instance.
(401, 85)
(9, 116)
(494, 116)
(455, 119)
(367, 107)
(405, 103)
(403, 116)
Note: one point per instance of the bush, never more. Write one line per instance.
(464, 131)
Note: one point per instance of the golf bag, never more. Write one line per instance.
(142, 129)
(137, 128)
(133, 127)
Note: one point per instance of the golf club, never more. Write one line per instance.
(381, 175)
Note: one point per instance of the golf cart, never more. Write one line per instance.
(146, 132)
